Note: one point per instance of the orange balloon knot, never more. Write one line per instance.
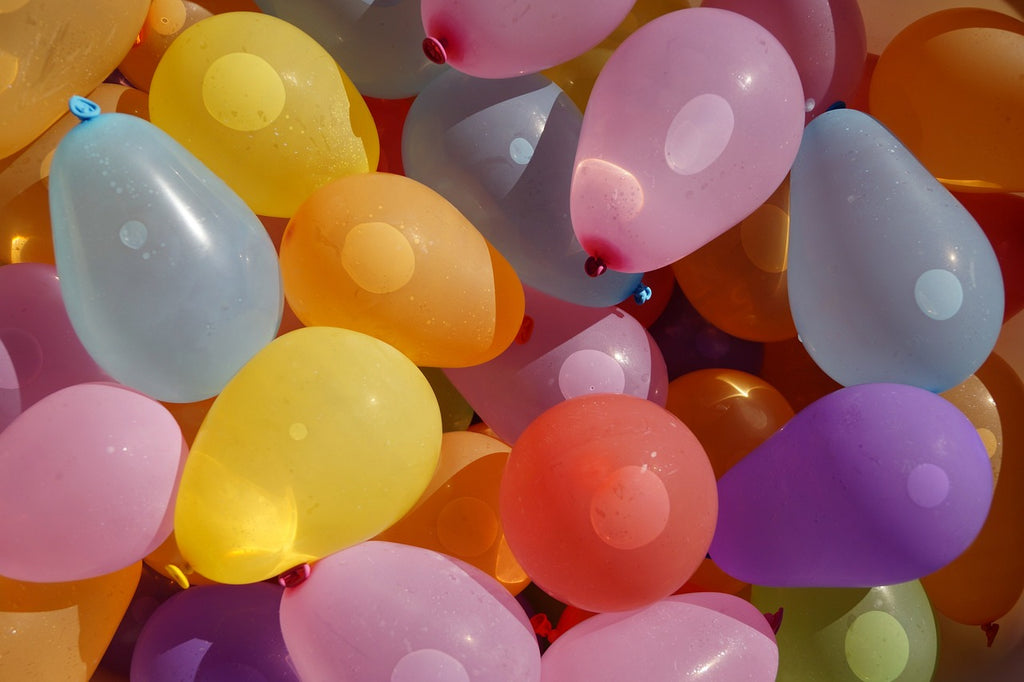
(775, 620)
(294, 577)
(525, 330)
(542, 627)
(642, 294)
(990, 630)
(594, 266)
(433, 48)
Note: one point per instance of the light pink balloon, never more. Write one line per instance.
(384, 611)
(685, 637)
(692, 124)
(505, 38)
(88, 477)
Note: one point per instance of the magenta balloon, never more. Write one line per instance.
(565, 350)
(512, 38)
(384, 611)
(677, 638)
(692, 124)
(825, 38)
(39, 350)
(89, 478)
(874, 484)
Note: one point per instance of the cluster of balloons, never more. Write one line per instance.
(354, 339)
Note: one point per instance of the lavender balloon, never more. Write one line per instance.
(212, 633)
(874, 484)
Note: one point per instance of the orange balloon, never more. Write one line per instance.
(388, 256)
(737, 281)
(165, 22)
(982, 584)
(948, 86)
(59, 631)
(976, 402)
(790, 369)
(883, 19)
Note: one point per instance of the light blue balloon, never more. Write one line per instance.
(171, 282)
(378, 43)
(502, 151)
(890, 278)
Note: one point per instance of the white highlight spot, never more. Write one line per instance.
(429, 665)
(521, 151)
(699, 133)
(590, 371)
(928, 485)
(133, 234)
(938, 294)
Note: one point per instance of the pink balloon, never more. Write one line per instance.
(505, 39)
(39, 350)
(384, 611)
(690, 637)
(90, 473)
(692, 124)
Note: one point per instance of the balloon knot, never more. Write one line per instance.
(177, 575)
(294, 577)
(775, 620)
(83, 108)
(837, 105)
(594, 266)
(542, 627)
(642, 293)
(433, 48)
(525, 330)
(990, 630)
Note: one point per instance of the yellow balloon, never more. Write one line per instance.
(59, 631)
(265, 107)
(53, 49)
(322, 440)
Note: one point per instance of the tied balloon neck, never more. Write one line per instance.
(294, 577)
(990, 630)
(642, 294)
(178, 575)
(434, 49)
(595, 266)
(525, 330)
(775, 620)
(543, 628)
(83, 109)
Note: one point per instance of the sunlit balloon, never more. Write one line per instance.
(994, 653)
(166, 20)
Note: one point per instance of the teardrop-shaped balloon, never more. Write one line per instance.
(874, 484)
(324, 439)
(505, 39)
(948, 85)
(265, 107)
(890, 278)
(388, 256)
(81, 462)
(502, 152)
(169, 279)
(666, 164)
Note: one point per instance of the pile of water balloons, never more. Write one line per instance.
(437, 340)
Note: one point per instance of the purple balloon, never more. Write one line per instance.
(873, 484)
(214, 633)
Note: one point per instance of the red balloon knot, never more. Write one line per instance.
(774, 620)
(294, 577)
(594, 266)
(990, 630)
(541, 625)
(433, 48)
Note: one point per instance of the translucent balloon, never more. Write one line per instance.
(39, 350)
(884, 19)
(502, 152)
(563, 350)
(220, 632)
(50, 50)
(458, 513)
(324, 439)
(169, 279)
(500, 40)
(874, 484)
(608, 501)
(166, 20)
(948, 86)
(384, 611)
(167, 561)
(879, 634)
(59, 630)
(388, 256)
(153, 589)
(265, 107)
(377, 42)
(890, 278)
(683, 637)
(710, 138)
(113, 463)
(825, 38)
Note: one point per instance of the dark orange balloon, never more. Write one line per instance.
(1001, 217)
(790, 369)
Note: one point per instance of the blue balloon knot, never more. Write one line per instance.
(642, 294)
(84, 109)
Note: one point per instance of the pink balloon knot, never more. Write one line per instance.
(594, 266)
(542, 626)
(990, 630)
(294, 577)
(433, 48)
(774, 620)
(525, 330)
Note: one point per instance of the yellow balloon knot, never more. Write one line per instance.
(178, 576)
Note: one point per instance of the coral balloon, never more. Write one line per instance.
(948, 86)
(890, 278)
(505, 39)
(324, 439)
(114, 463)
(384, 611)
(385, 255)
(711, 138)
(874, 484)
(265, 107)
(608, 501)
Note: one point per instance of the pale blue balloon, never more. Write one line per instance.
(502, 151)
(171, 282)
(890, 278)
